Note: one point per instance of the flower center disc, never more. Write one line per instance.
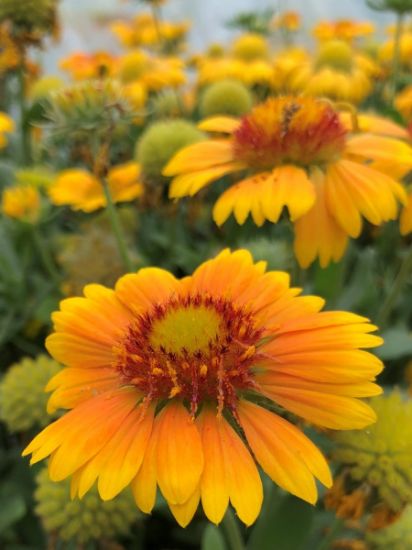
(191, 329)
(301, 131)
(194, 347)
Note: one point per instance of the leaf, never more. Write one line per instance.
(12, 509)
(213, 539)
(398, 343)
(284, 524)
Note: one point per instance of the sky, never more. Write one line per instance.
(83, 20)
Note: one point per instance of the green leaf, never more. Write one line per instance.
(398, 343)
(213, 539)
(12, 508)
(284, 524)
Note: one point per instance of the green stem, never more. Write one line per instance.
(232, 531)
(45, 256)
(24, 130)
(117, 228)
(397, 287)
(331, 535)
(396, 57)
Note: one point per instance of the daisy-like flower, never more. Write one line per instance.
(163, 377)
(80, 190)
(295, 153)
(336, 72)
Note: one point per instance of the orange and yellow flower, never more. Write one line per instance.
(296, 153)
(21, 202)
(80, 190)
(162, 378)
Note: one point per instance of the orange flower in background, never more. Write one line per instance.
(80, 190)
(295, 153)
(84, 66)
(288, 20)
(343, 29)
(162, 378)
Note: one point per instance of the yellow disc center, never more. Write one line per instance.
(337, 55)
(191, 328)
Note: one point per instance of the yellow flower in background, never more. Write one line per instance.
(164, 72)
(6, 127)
(133, 65)
(251, 73)
(144, 30)
(377, 461)
(21, 202)
(386, 51)
(295, 153)
(343, 29)
(80, 190)
(406, 216)
(84, 66)
(285, 64)
(250, 47)
(334, 72)
(160, 371)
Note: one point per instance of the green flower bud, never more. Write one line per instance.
(226, 97)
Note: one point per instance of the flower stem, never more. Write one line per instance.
(396, 57)
(232, 531)
(24, 130)
(397, 287)
(45, 256)
(116, 227)
(156, 20)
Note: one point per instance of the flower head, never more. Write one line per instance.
(22, 397)
(298, 154)
(89, 108)
(250, 46)
(336, 72)
(161, 141)
(80, 190)
(163, 376)
(376, 461)
(89, 519)
(85, 66)
(21, 202)
(226, 97)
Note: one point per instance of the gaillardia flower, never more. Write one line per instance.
(163, 378)
(81, 190)
(295, 153)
